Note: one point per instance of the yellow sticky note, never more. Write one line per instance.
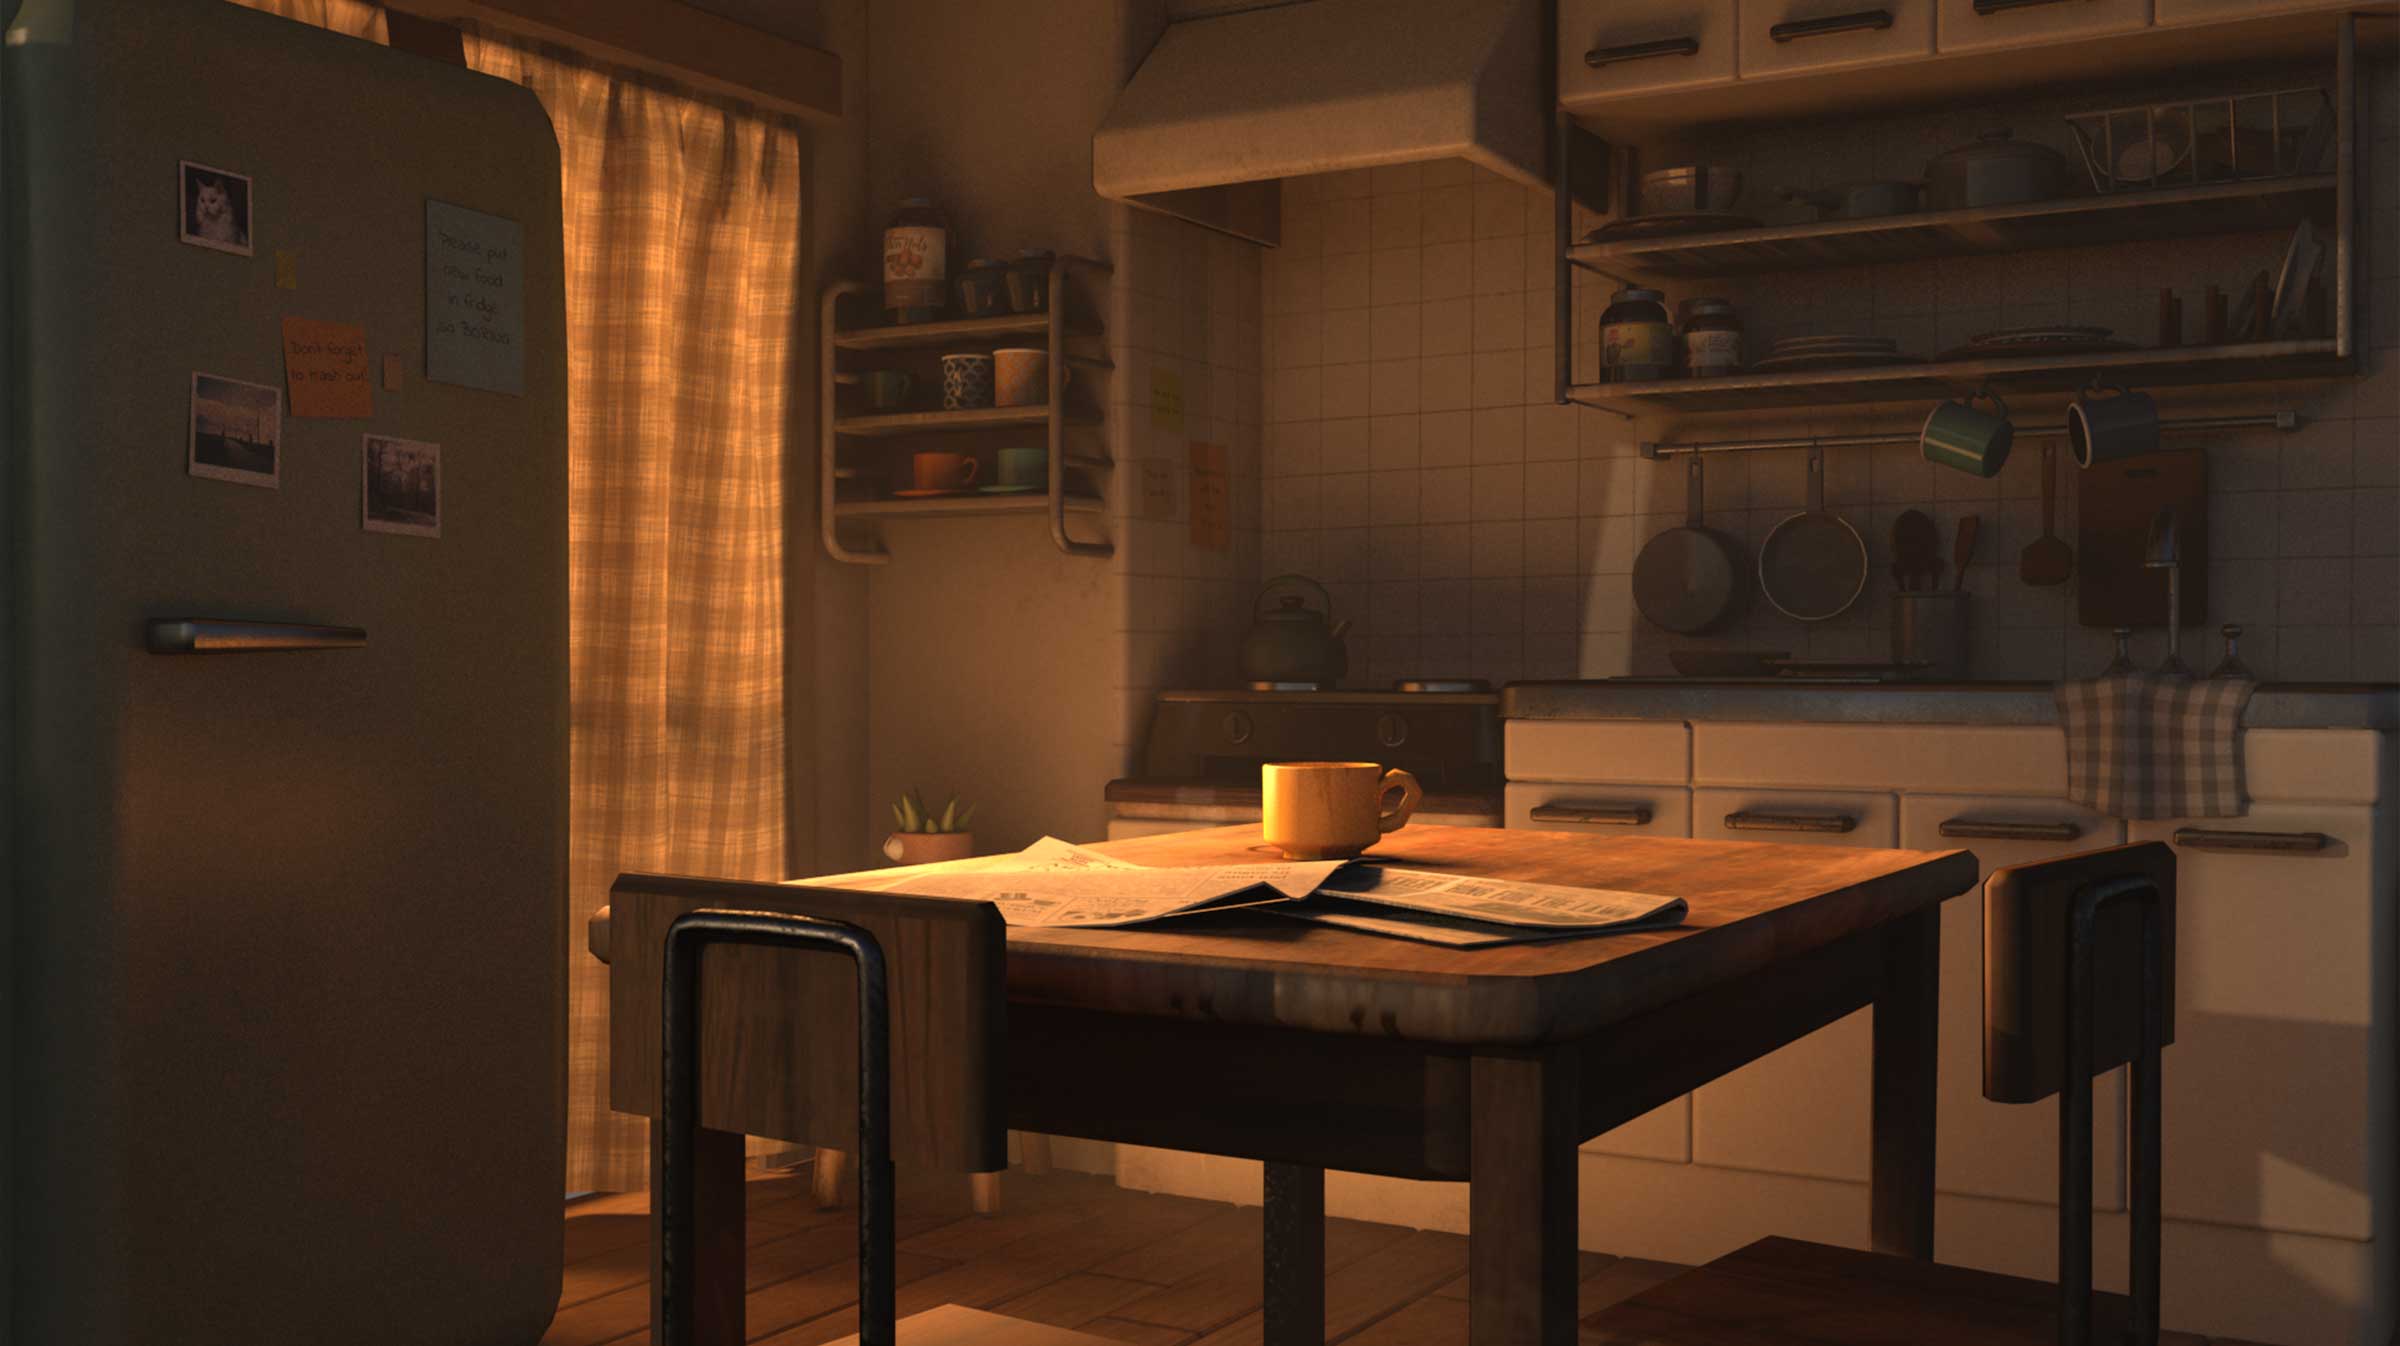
(287, 270)
(326, 365)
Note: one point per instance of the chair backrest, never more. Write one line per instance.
(2026, 959)
(779, 1029)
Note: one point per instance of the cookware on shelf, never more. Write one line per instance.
(1670, 225)
(1997, 170)
(1293, 642)
(1859, 200)
(1813, 565)
(1689, 579)
(1690, 187)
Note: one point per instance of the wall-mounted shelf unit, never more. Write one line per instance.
(1071, 346)
(2334, 201)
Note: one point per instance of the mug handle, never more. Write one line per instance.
(1985, 393)
(974, 465)
(1411, 795)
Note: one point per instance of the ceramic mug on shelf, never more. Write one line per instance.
(1023, 469)
(1332, 810)
(943, 471)
(887, 389)
(1961, 436)
(1021, 376)
(2104, 429)
(966, 381)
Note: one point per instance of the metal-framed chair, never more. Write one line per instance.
(2051, 1022)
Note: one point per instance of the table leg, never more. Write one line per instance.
(1907, 1048)
(1295, 1279)
(825, 1178)
(719, 1211)
(1521, 1202)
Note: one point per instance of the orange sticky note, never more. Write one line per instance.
(326, 366)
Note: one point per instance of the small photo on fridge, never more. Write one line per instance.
(400, 484)
(237, 431)
(215, 208)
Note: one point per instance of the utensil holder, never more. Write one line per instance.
(1929, 628)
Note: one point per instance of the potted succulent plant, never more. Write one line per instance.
(922, 836)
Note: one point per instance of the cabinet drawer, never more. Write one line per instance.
(1612, 48)
(1803, 1109)
(2009, 759)
(1551, 806)
(1984, 1148)
(1788, 37)
(1640, 752)
(1982, 25)
(2278, 1081)
(2218, 11)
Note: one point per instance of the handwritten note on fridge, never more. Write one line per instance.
(326, 365)
(474, 299)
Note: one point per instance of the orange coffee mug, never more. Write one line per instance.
(1332, 810)
(944, 471)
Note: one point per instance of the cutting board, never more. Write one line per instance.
(2114, 503)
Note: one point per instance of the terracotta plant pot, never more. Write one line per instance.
(924, 848)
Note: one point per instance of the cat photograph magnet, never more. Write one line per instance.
(215, 208)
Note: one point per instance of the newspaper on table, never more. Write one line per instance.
(1466, 911)
(1057, 883)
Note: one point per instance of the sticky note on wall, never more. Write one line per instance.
(326, 365)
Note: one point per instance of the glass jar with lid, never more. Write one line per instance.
(1712, 339)
(1637, 343)
(916, 262)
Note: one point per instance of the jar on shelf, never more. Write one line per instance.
(1637, 343)
(1712, 339)
(1029, 281)
(916, 262)
(983, 289)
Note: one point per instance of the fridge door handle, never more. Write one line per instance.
(212, 635)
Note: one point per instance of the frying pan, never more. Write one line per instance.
(1813, 566)
(1689, 579)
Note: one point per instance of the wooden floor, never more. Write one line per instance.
(1069, 1249)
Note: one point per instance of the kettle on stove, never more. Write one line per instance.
(1292, 642)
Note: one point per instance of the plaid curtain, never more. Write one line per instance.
(682, 240)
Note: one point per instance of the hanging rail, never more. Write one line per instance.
(2273, 420)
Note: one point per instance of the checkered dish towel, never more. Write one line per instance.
(2144, 746)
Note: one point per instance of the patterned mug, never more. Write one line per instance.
(966, 381)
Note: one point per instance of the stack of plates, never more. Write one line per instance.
(2051, 339)
(1833, 350)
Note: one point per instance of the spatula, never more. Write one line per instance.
(2047, 560)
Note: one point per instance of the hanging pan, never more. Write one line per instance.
(1813, 566)
(1689, 579)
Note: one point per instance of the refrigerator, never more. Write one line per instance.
(286, 697)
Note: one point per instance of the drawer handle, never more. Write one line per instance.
(1608, 815)
(1641, 51)
(209, 635)
(1987, 8)
(1755, 820)
(1863, 21)
(2289, 843)
(2010, 829)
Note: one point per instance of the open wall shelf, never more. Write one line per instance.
(1054, 417)
(2262, 361)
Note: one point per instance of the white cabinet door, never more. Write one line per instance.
(1803, 1109)
(1610, 49)
(1983, 25)
(1664, 1132)
(1985, 1148)
(1789, 37)
(2279, 1081)
(2219, 11)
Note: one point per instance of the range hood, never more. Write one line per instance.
(1226, 107)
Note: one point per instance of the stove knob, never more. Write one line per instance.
(1237, 727)
(1391, 731)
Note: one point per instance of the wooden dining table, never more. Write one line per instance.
(1312, 1048)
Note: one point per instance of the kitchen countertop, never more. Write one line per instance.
(2276, 705)
(1240, 795)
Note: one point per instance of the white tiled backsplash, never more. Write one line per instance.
(1416, 463)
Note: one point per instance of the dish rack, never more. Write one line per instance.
(2233, 137)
